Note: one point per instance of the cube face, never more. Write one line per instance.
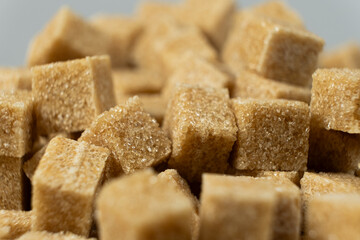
(202, 117)
(15, 78)
(251, 85)
(11, 184)
(65, 184)
(16, 123)
(150, 209)
(272, 135)
(14, 223)
(66, 37)
(133, 137)
(332, 151)
(335, 97)
(236, 208)
(327, 211)
(69, 95)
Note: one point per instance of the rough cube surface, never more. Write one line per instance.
(65, 184)
(43, 235)
(141, 206)
(332, 151)
(272, 135)
(69, 95)
(14, 223)
(67, 36)
(16, 123)
(345, 56)
(15, 78)
(333, 216)
(251, 85)
(200, 117)
(236, 208)
(281, 52)
(335, 99)
(11, 183)
(133, 137)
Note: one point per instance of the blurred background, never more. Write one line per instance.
(335, 21)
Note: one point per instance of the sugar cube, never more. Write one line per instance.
(13, 223)
(43, 235)
(333, 216)
(152, 11)
(140, 206)
(344, 56)
(334, 99)
(16, 123)
(202, 128)
(236, 208)
(274, 50)
(64, 186)
(15, 78)
(67, 36)
(133, 137)
(251, 85)
(273, 134)
(69, 95)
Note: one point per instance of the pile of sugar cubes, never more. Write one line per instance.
(187, 121)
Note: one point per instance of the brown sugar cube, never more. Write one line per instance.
(332, 151)
(251, 85)
(213, 17)
(31, 164)
(344, 56)
(200, 117)
(132, 135)
(137, 81)
(334, 99)
(15, 78)
(172, 177)
(65, 184)
(43, 235)
(281, 52)
(14, 223)
(155, 105)
(236, 208)
(273, 134)
(151, 11)
(11, 183)
(67, 36)
(69, 95)
(315, 184)
(123, 32)
(196, 70)
(333, 216)
(141, 206)
(16, 122)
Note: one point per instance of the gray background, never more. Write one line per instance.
(335, 21)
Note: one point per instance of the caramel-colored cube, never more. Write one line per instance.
(13, 223)
(11, 183)
(16, 123)
(141, 206)
(64, 186)
(333, 216)
(334, 99)
(138, 81)
(69, 95)
(332, 151)
(43, 235)
(196, 70)
(274, 50)
(172, 177)
(315, 184)
(273, 134)
(213, 17)
(251, 85)
(123, 32)
(344, 56)
(15, 78)
(67, 36)
(31, 164)
(202, 128)
(132, 135)
(236, 208)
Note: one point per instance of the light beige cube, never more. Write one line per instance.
(13, 223)
(15, 78)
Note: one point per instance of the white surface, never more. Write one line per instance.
(335, 21)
